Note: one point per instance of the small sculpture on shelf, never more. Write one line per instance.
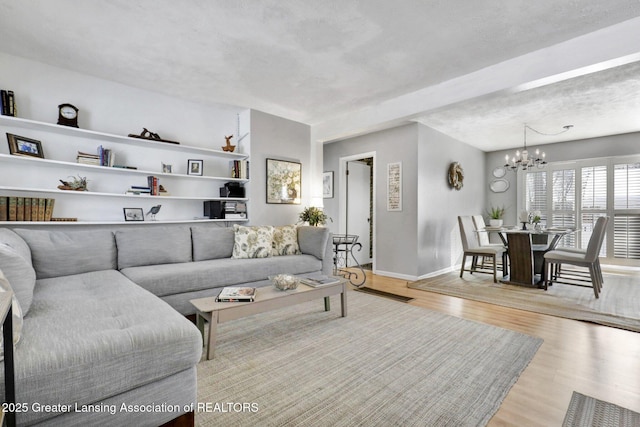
(228, 147)
(76, 184)
(153, 211)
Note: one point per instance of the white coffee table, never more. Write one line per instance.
(267, 298)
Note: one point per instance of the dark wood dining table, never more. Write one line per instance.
(526, 258)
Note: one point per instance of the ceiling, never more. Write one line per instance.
(346, 66)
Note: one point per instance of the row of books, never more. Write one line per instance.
(153, 188)
(8, 103)
(240, 169)
(26, 208)
(104, 157)
(248, 294)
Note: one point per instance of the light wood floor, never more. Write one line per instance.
(598, 361)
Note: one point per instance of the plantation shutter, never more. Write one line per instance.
(626, 240)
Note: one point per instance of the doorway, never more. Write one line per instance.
(357, 191)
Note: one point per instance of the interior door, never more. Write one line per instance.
(358, 208)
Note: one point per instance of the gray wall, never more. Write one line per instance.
(395, 241)
(277, 138)
(439, 246)
(423, 238)
(607, 146)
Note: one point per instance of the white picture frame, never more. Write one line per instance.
(327, 185)
(394, 187)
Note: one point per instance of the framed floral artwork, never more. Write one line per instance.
(284, 182)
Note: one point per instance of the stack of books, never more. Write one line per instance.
(26, 208)
(318, 281)
(104, 157)
(139, 191)
(8, 103)
(237, 294)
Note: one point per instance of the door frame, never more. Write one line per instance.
(342, 198)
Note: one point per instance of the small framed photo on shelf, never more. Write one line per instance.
(194, 167)
(327, 185)
(133, 214)
(22, 146)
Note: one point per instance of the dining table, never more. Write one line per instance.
(525, 249)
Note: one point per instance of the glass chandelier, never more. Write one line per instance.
(523, 160)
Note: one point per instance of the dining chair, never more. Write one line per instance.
(472, 248)
(589, 259)
(484, 242)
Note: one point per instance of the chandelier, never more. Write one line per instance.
(523, 160)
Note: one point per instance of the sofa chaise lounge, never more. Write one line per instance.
(104, 339)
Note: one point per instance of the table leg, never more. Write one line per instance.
(327, 304)
(211, 341)
(200, 325)
(343, 300)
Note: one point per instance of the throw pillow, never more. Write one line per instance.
(17, 315)
(285, 240)
(19, 272)
(252, 242)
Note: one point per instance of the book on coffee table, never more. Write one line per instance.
(317, 281)
(237, 294)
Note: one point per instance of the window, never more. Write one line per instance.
(576, 194)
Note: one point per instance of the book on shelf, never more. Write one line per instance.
(7, 99)
(153, 182)
(239, 169)
(4, 208)
(26, 208)
(316, 281)
(237, 294)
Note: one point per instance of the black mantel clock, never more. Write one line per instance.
(67, 115)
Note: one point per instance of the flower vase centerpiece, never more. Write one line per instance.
(495, 216)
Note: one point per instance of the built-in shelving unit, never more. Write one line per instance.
(24, 176)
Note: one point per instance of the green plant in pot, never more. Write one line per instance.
(495, 216)
(314, 216)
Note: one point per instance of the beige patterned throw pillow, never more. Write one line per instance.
(252, 242)
(285, 240)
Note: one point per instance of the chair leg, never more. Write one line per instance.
(464, 260)
(594, 280)
(495, 269)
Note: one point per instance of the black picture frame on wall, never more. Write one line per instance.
(133, 214)
(284, 182)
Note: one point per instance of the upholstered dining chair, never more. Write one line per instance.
(483, 239)
(588, 258)
(471, 247)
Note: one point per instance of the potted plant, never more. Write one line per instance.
(314, 216)
(495, 216)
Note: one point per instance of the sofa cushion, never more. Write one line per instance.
(164, 245)
(313, 240)
(171, 279)
(212, 242)
(16, 315)
(94, 335)
(15, 263)
(60, 253)
(285, 240)
(253, 241)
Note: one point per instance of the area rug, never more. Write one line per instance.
(585, 411)
(618, 305)
(384, 294)
(387, 363)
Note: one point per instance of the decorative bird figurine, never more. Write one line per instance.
(153, 211)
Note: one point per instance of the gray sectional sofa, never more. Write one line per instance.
(104, 339)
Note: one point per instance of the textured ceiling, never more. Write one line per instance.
(313, 61)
